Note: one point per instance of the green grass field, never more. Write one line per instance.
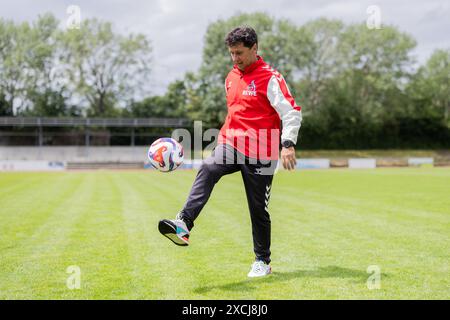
(328, 227)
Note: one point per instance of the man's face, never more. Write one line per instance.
(243, 56)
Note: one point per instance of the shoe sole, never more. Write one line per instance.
(170, 233)
(261, 275)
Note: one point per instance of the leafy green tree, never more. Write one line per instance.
(430, 88)
(46, 90)
(3, 106)
(14, 72)
(375, 61)
(31, 82)
(321, 61)
(106, 68)
(172, 104)
(358, 88)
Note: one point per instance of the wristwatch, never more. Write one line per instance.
(287, 143)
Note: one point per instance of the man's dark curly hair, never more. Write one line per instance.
(244, 34)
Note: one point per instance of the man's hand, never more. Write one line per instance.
(288, 158)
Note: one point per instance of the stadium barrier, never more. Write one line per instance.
(126, 157)
(191, 164)
(362, 163)
(420, 161)
(313, 163)
(104, 165)
(392, 162)
(23, 165)
(338, 163)
(76, 153)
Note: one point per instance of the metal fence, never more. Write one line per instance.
(94, 122)
(86, 131)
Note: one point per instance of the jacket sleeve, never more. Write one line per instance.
(282, 101)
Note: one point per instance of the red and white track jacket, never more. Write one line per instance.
(258, 99)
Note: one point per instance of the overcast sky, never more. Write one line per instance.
(177, 27)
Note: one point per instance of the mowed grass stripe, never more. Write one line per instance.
(375, 202)
(232, 211)
(139, 216)
(38, 269)
(31, 192)
(32, 208)
(201, 263)
(221, 244)
(169, 263)
(361, 232)
(99, 244)
(13, 183)
(322, 241)
(221, 240)
(404, 191)
(359, 217)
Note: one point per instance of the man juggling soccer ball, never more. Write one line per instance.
(258, 101)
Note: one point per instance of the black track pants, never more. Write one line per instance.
(257, 177)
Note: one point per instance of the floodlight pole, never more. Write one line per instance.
(86, 137)
(40, 134)
(86, 133)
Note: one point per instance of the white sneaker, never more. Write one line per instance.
(259, 269)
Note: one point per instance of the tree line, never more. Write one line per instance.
(90, 71)
(358, 88)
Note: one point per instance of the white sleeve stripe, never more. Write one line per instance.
(290, 117)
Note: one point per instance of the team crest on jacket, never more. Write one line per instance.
(251, 90)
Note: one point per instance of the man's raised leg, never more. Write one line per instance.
(220, 163)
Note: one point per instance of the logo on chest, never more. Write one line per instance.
(251, 90)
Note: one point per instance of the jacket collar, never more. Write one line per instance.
(251, 67)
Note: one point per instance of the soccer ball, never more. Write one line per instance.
(166, 154)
